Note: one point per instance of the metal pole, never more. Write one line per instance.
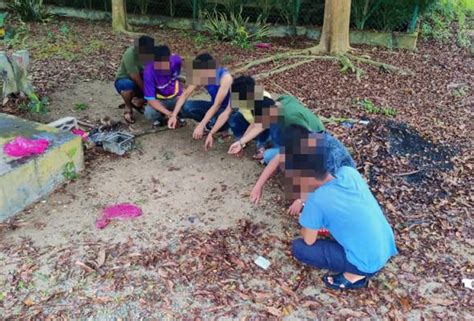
(195, 14)
(414, 18)
(296, 13)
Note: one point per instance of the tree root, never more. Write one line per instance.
(384, 66)
(312, 54)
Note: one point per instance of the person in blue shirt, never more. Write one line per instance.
(337, 156)
(343, 204)
(217, 81)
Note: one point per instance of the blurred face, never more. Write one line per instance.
(249, 97)
(298, 182)
(201, 74)
(269, 116)
(162, 64)
(145, 54)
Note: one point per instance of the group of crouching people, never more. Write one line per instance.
(330, 196)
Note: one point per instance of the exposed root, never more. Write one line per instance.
(384, 66)
(314, 53)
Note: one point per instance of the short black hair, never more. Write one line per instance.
(261, 105)
(243, 85)
(161, 53)
(204, 61)
(311, 163)
(146, 44)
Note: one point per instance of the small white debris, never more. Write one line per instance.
(468, 283)
(262, 262)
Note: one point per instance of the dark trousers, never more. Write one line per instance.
(325, 254)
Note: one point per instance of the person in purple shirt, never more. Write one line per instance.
(208, 113)
(161, 84)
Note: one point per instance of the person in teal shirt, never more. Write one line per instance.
(342, 203)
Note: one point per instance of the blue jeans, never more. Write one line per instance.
(154, 115)
(275, 136)
(196, 109)
(238, 124)
(127, 84)
(325, 254)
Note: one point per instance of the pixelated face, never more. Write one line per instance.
(145, 54)
(246, 100)
(162, 64)
(269, 116)
(201, 73)
(298, 182)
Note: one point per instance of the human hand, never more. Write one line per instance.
(295, 208)
(209, 141)
(256, 194)
(198, 131)
(172, 121)
(235, 148)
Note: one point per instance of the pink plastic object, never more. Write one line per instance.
(121, 211)
(80, 132)
(21, 147)
(263, 45)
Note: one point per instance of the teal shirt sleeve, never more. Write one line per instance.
(312, 215)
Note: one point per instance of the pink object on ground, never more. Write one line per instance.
(80, 132)
(21, 147)
(263, 45)
(119, 211)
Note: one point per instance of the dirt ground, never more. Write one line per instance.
(190, 256)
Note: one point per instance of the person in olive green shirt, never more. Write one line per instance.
(276, 116)
(129, 78)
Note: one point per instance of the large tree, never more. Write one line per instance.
(119, 15)
(333, 45)
(335, 33)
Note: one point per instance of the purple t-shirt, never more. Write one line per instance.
(160, 84)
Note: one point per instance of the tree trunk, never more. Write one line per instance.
(335, 33)
(119, 15)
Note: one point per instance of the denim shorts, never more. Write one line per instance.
(126, 84)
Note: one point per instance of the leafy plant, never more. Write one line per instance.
(200, 40)
(35, 104)
(30, 10)
(445, 20)
(369, 106)
(19, 37)
(81, 106)
(234, 28)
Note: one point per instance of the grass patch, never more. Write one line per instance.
(81, 106)
(369, 107)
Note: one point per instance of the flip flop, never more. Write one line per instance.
(129, 119)
(339, 282)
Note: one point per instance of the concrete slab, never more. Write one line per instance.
(24, 180)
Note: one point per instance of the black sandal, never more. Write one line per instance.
(339, 282)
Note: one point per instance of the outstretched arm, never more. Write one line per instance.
(221, 120)
(224, 88)
(179, 104)
(269, 170)
(252, 131)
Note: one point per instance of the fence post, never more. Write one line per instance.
(296, 14)
(414, 18)
(195, 14)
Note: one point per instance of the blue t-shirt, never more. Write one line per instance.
(346, 207)
(213, 89)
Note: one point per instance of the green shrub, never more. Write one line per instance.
(30, 10)
(234, 28)
(445, 20)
